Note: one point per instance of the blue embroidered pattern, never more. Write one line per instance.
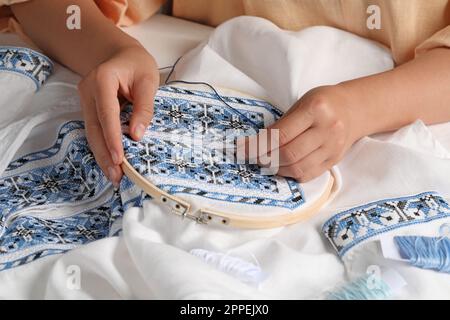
(170, 157)
(54, 200)
(349, 228)
(27, 62)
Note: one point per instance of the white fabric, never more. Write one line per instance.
(151, 259)
(275, 65)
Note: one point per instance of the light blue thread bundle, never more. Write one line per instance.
(364, 288)
(244, 271)
(425, 252)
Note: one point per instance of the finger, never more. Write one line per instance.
(143, 94)
(293, 123)
(329, 163)
(108, 113)
(307, 168)
(94, 134)
(300, 147)
(313, 173)
(286, 129)
(254, 147)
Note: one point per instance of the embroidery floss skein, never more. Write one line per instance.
(244, 271)
(363, 288)
(425, 252)
(373, 286)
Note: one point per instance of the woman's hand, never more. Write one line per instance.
(111, 62)
(133, 74)
(316, 132)
(319, 129)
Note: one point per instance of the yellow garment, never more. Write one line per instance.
(407, 26)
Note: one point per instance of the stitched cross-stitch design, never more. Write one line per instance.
(27, 62)
(346, 229)
(75, 177)
(54, 200)
(174, 155)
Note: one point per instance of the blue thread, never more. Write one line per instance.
(425, 252)
(167, 82)
(217, 95)
(361, 290)
(172, 69)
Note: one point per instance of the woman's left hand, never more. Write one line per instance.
(316, 132)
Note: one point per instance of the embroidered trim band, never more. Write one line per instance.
(27, 62)
(349, 228)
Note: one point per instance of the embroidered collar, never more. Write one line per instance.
(27, 62)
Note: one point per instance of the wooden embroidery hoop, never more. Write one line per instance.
(183, 208)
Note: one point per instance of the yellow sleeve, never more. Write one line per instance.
(440, 39)
(128, 12)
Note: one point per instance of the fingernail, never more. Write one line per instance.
(115, 157)
(139, 131)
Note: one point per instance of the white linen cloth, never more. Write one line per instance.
(151, 259)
